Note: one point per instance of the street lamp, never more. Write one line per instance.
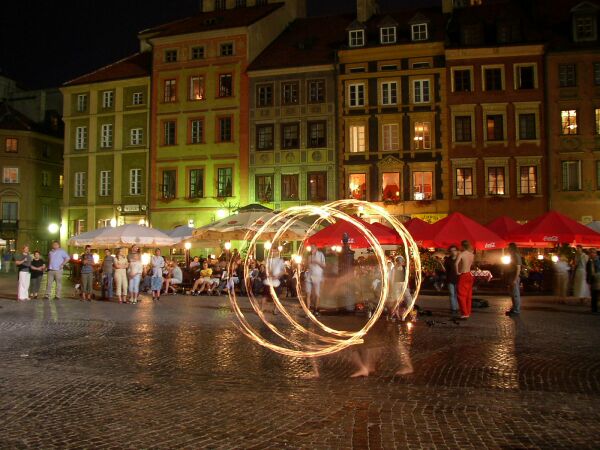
(113, 222)
(506, 259)
(268, 245)
(227, 245)
(221, 213)
(53, 228)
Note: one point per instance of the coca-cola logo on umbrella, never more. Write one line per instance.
(550, 238)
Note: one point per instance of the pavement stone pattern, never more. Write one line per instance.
(179, 374)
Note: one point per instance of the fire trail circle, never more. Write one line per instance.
(320, 340)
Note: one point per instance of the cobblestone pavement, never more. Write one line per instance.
(178, 374)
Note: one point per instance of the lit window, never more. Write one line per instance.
(105, 184)
(356, 95)
(170, 90)
(357, 38)
(464, 181)
(196, 88)
(225, 85)
(421, 92)
(568, 121)
(106, 135)
(495, 127)
(136, 136)
(528, 179)
(390, 187)
(389, 93)
(135, 182)
(571, 175)
(597, 120)
(388, 35)
(10, 175)
(419, 32)
(264, 95)
(496, 181)
(357, 138)
(80, 184)
(391, 138)
(422, 136)
(11, 145)
(357, 186)
(422, 185)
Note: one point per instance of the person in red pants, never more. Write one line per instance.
(464, 286)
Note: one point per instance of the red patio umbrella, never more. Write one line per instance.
(457, 227)
(332, 235)
(554, 228)
(420, 231)
(503, 226)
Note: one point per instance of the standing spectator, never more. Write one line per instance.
(593, 277)
(581, 289)
(464, 286)
(276, 271)
(514, 280)
(561, 278)
(135, 275)
(158, 264)
(23, 262)
(38, 266)
(6, 261)
(107, 275)
(314, 277)
(452, 277)
(121, 266)
(57, 258)
(87, 274)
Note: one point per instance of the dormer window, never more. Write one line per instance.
(357, 38)
(388, 35)
(584, 28)
(419, 32)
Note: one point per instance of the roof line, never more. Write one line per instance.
(66, 83)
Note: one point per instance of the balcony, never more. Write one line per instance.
(9, 225)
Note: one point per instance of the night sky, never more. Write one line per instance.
(47, 42)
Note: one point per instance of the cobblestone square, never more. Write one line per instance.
(179, 374)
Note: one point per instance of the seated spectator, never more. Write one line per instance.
(204, 282)
(175, 278)
(195, 263)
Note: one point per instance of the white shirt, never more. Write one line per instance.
(276, 270)
(314, 269)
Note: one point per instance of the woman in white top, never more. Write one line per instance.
(135, 275)
(158, 264)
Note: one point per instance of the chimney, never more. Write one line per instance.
(365, 9)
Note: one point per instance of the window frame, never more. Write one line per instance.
(107, 135)
(489, 189)
(310, 174)
(323, 91)
(309, 125)
(135, 179)
(567, 75)
(283, 187)
(260, 98)
(421, 185)
(354, 97)
(198, 139)
(257, 184)
(200, 51)
(455, 128)
(81, 99)
(226, 45)
(566, 181)
(484, 79)
(426, 137)
(465, 192)
(7, 170)
(285, 125)
(422, 82)
(363, 193)
(295, 93)
(356, 38)
(569, 125)
(104, 183)
(169, 86)
(139, 95)
(517, 76)
(189, 184)
(217, 181)
(387, 38)
(354, 138)
(162, 192)
(392, 93)
(260, 146)
(220, 122)
(171, 55)
(387, 137)
(138, 132)
(108, 99)
(80, 184)
(419, 32)
(454, 72)
(201, 88)
(520, 168)
(495, 138)
(220, 88)
(164, 141)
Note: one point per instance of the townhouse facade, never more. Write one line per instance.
(391, 113)
(200, 107)
(293, 116)
(573, 104)
(31, 184)
(107, 132)
(495, 98)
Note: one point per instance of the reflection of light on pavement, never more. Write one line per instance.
(324, 340)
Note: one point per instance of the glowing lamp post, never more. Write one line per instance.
(53, 228)
(187, 246)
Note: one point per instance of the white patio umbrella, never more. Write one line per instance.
(182, 232)
(249, 218)
(124, 235)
